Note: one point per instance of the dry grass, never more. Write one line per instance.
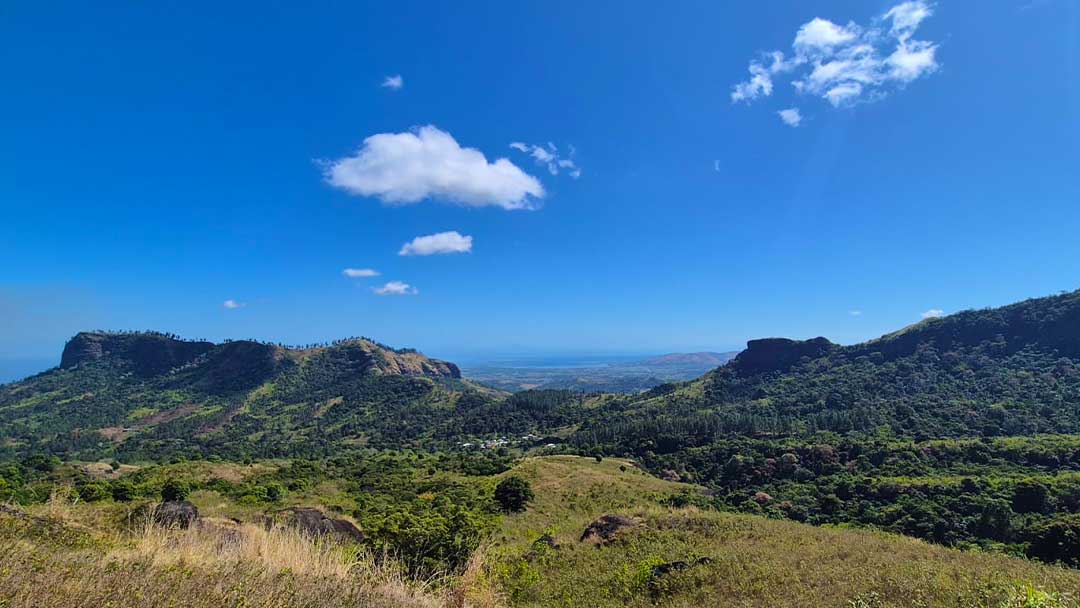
(214, 564)
(752, 561)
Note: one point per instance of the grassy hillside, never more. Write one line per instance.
(750, 561)
(74, 553)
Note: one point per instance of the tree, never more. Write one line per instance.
(1057, 540)
(1031, 496)
(513, 494)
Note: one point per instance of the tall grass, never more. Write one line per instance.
(214, 564)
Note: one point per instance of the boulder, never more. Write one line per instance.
(659, 586)
(175, 514)
(606, 529)
(316, 523)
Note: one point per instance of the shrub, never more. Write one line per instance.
(513, 494)
(94, 491)
(1027, 596)
(123, 490)
(174, 490)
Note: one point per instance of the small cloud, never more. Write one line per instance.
(847, 64)
(855, 313)
(394, 83)
(819, 35)
(395, 288)
(791, 117)
(428, 163)
(933, 313)
(760, 81)
(432, 244)
(549, 156)
(233, 304)
(360, 273)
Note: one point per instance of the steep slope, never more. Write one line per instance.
(154, 394)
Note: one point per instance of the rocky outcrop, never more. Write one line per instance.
(175, 514)
(778, 354)
(670, 475)
(606, 529)
(314, 522)
(147, 354)
(243, 364)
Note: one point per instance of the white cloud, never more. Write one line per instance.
(842, 93)
(395, 288)
(933, 313)
(855, 313)
(906, 18)
(821, 35)
(550, 157)
(847, 64)
(432, 244)
(911, 60)
(760, 83)
(233, 304)
(406, 168)
(791, 117)
(360, 273)
(393, 83)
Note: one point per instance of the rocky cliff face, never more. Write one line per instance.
(147, 354)
(240, 364)
(778, 354)
(364, 356)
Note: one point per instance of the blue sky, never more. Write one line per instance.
(156, 162)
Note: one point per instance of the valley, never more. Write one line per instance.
(594, 374)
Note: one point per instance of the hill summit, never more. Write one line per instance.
(153, 353)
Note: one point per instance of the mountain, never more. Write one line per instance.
(1004, 371)
(960, 430)
(153, 393)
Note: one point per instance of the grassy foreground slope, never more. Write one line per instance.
(750, 561)
(72, 553)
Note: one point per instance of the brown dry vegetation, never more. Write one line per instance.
(52, 560)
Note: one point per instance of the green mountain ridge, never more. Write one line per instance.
(1013, 370)
(147, 392)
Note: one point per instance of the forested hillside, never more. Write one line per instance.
(1005, 371)
(916, 432)
(152, 395)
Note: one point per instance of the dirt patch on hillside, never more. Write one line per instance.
(169, 415)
